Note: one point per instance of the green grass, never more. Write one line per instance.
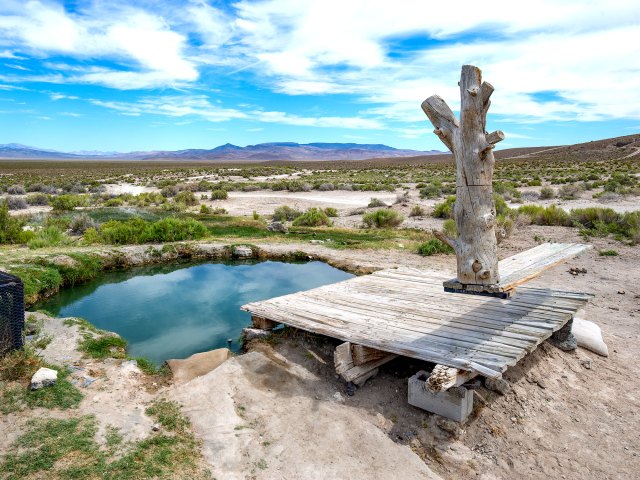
(137, 231)
(434, 246)
(50, 236)
(314, 217)
(608, 253)
(16, 370)
(104, 346)
(168, 415)
(100, 345)
(383, 218)
(146, 366)
(41, 275)
(66, 448)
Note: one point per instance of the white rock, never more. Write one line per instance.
(243, 252)
(44, 377)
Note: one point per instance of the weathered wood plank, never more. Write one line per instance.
(356, 371)
(443, 378)
(524, 266)
(362, 354)
(405, 312)
(263, 323)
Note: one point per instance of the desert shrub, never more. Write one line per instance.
(331, 212)
(536, 182)
(376, 202)
(326, 187)
(187, 187)
(570, 191)
(63, 203)
(204, 185)
(250, 188)
(504, 227)
(90, 236)
(402, 198)
(551, 215)
(604, 221)
(608, 253)
(187, 197)
(136, 230)
(314, 217)
(75, 188)
(449, 228)
(174, 230)
(432, 190)
(285, 212)
(114, 202)
(297, 186)
(16, 203)
(169, 191)
(204, 209)
(10, 227)
(219, 195)
(38, 199)
(433, 246)
(16, 190)
(80, 223)
(620, 183)
(175, 207)
(219, 211)
(416, 211)
(35, 187)
(50, 236)
(592, 216)
(546, 193)
(445, 209)
(383, 218)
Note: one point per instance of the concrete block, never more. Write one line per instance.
(455, 403)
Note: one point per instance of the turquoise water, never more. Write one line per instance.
(175, 311)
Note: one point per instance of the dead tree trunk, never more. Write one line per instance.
(472, 147)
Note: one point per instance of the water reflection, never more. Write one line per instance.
(173, 312)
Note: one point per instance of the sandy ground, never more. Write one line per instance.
(108, 387)
(264, 202)
(120, 188)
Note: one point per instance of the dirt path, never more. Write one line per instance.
(632, 154)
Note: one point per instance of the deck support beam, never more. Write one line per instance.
(443, 378)
(358, 373)
(263, 323)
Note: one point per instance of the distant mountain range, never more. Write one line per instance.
(229, 152)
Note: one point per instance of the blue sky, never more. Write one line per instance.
(159, 74)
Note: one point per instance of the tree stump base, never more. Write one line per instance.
(496, 290)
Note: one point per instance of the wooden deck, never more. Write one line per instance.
(405, 311)
(522, 267)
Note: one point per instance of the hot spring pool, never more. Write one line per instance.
(175, 311)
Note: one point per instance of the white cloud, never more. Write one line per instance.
(11, 87)
(200, 106)
(141, 42)
(585, 52)
(16, 67)
(61, 96)
(10, 54)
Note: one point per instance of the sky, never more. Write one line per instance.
(108, 75)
